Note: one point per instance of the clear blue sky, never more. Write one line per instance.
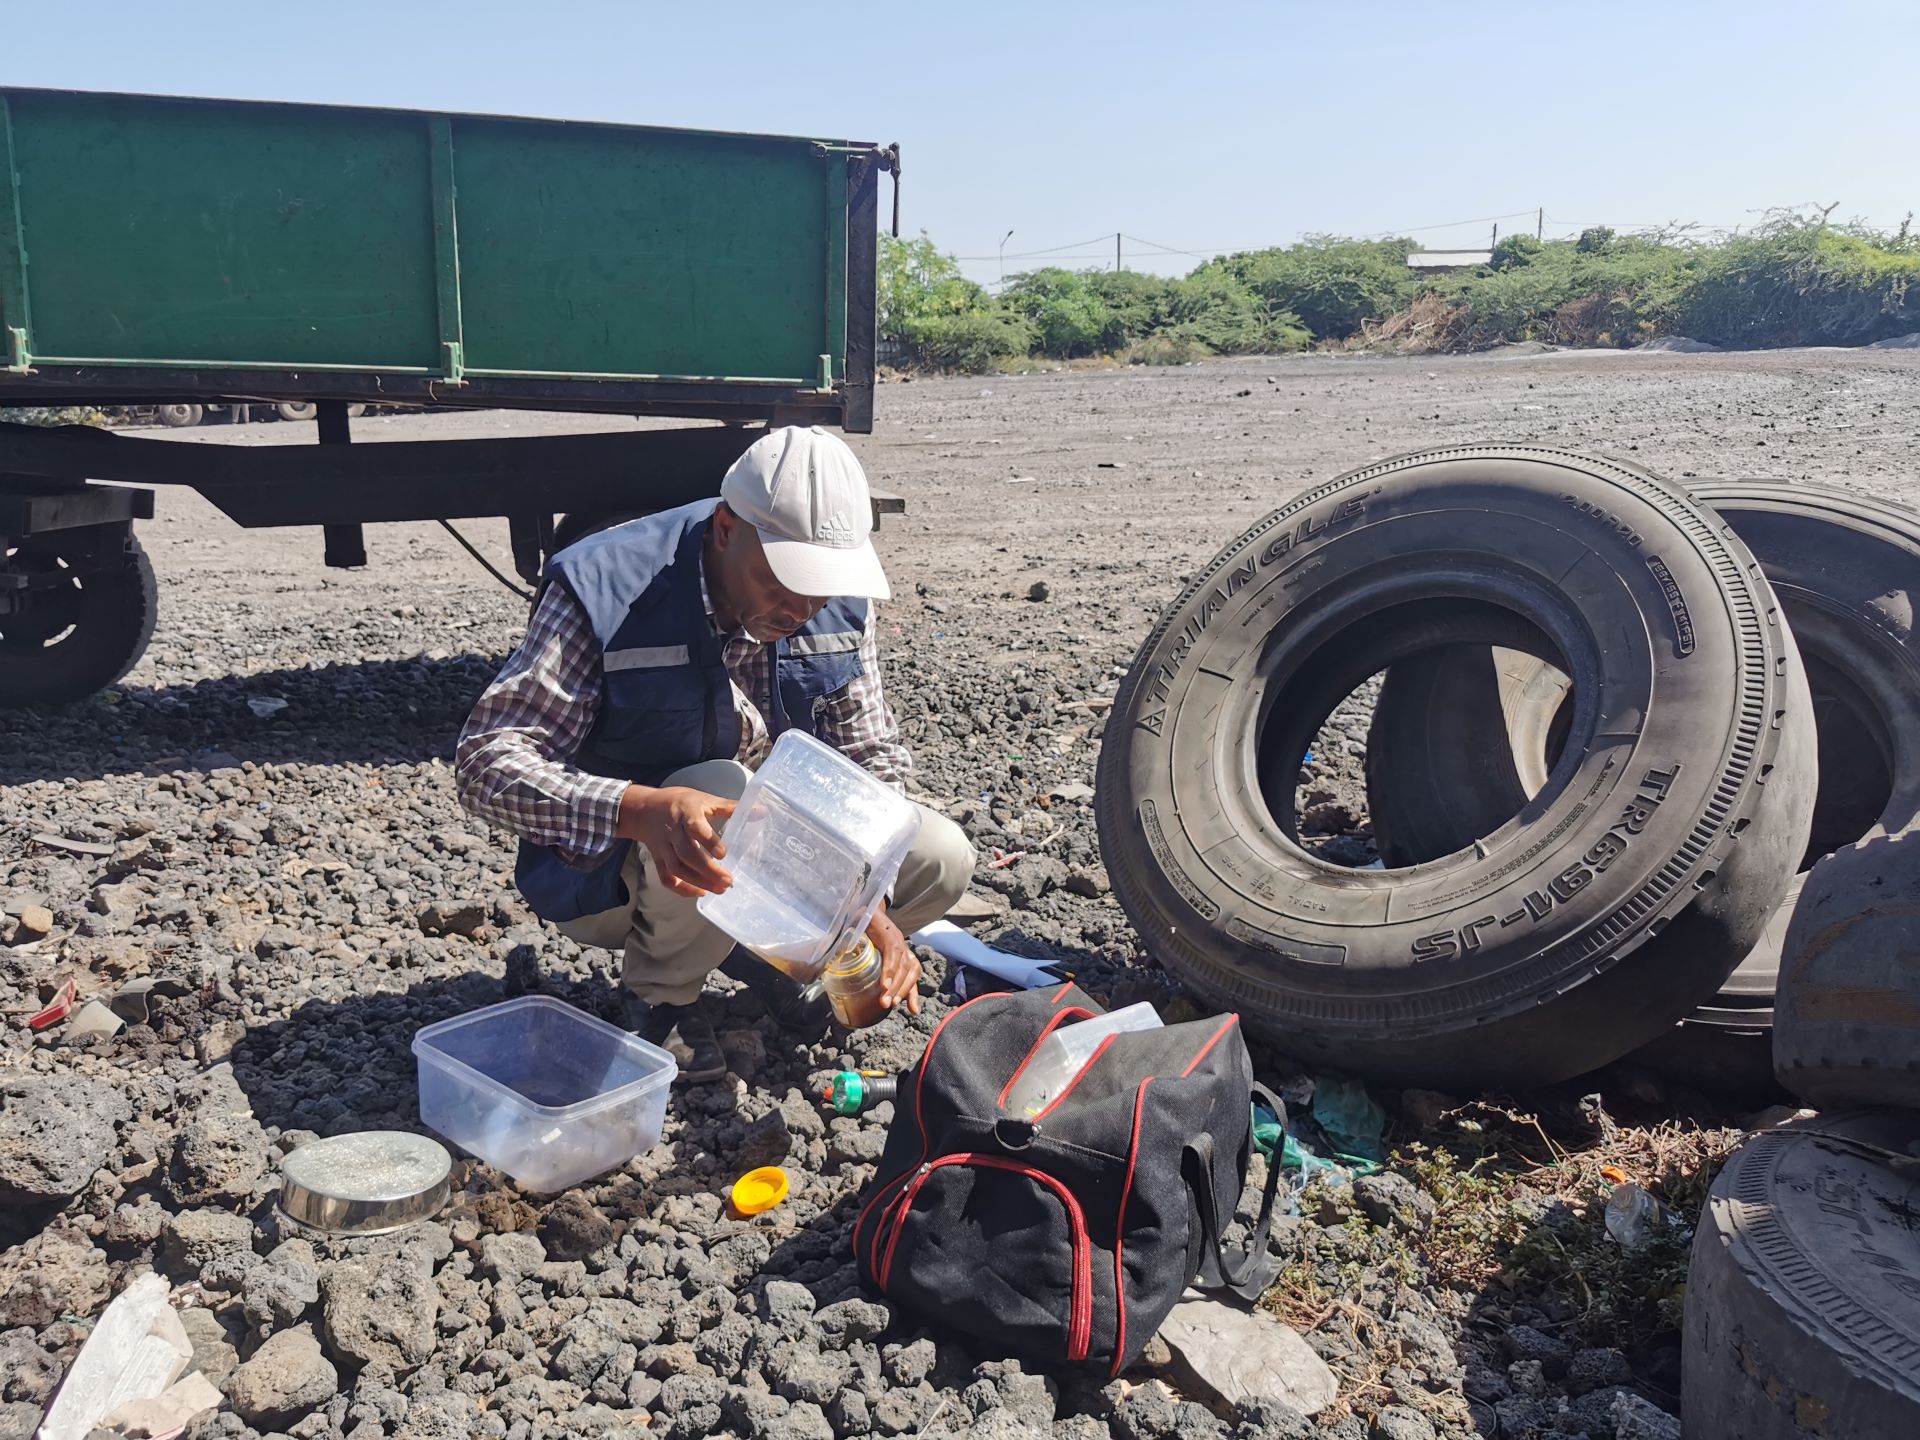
(1195, 127)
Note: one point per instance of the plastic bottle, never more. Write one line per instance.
(1634, 1217)
(855, 985)
(1065, 1053)
(852, 1091)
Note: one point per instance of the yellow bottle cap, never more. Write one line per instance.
(759, 1190)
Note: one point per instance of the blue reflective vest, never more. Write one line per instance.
(667, 700)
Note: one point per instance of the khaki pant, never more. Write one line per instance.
(670, 947)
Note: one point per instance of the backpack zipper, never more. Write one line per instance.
(1080, 1310)
(920, 1123)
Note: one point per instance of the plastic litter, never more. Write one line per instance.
(760, 1190)
(1066, 1052)
(1352, 1122)
(952, 943)
(264, 705)
(1634, 1217)
(58, 1008)
(138, 1349)
(1294, 1154)
(94, 1018)
(169, 1412)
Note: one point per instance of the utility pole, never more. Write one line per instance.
(1540, 223)
(1003, 258)
(1495, 245)
(1116, 252)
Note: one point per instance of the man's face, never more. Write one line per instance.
(749, 595)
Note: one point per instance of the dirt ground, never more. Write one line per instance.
(306, 878)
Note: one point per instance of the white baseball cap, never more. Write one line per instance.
(805, 492)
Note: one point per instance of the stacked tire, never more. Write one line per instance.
(1578, 925)
(1846, 570)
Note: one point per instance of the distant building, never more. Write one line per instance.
(1438, 262)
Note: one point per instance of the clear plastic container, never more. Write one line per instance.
(813, 845)
(547, 1093)
(1065, 1053)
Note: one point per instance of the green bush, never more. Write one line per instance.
(1137, 304)
(1334, 286)
(917, 285)
(1514, 251)
(1170, 347)
(1064, 308)
(1217, 311)
(1800, 285)
(974, 342)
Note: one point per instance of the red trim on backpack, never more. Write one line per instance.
(1225, 1025)
(1079, 1075)
(1120, 1231)
(1052, 1025)
(1080, 1306)
(919, 1120)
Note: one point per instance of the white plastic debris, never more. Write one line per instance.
(138, 1349)
(264, 705)
(168, 1413)
(957, 945)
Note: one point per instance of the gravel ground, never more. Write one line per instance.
(306, 893)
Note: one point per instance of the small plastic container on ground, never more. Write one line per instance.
(1065, 1053)
(813, 845)
(545, 1092)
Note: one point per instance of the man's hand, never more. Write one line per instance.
(899, 971)
(676, 825)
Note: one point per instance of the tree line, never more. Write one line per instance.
(1794, 280)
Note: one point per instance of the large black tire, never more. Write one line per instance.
(1846, 569)
(1803, 1298)
(1586, 924)
(81, 636)
(1847, 1015)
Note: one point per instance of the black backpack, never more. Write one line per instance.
(1066, 1238)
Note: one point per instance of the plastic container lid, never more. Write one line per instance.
(759, 1190)
(368, 1183)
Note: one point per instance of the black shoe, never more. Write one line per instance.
(803, 1012)
(683, 1033)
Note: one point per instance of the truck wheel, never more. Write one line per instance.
(80, 633)
(1845, 567)
(1847, 1015)
(1803, 1297)
(181, 417)
(1576, 928)
(296, 410)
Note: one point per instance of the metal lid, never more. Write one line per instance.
(365, 1184)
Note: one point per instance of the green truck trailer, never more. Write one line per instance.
(181, 252)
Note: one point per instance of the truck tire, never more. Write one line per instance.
(1612, 903)
(1803, 1298)
(81, 636)
(296, 410)
(181, 417)
(1847, 1017)
(1846, 569)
